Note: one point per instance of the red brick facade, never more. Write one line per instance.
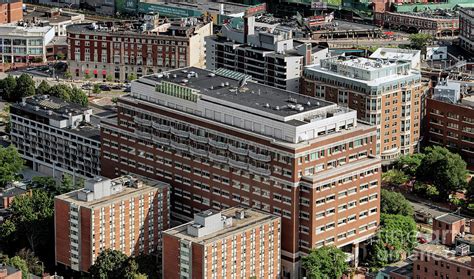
(11, 11)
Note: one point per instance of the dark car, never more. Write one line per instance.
(104, 87)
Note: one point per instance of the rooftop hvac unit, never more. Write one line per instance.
(462, 250)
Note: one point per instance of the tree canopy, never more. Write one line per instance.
(395, 203)
(394, 177)
(114, 264)
(11, 164)
(396, 237)
(444, 169)
(325, 263)
(25, 86)
(43, 88)
(409, 163)
(7, 87)
(66, 93)
(420, 41)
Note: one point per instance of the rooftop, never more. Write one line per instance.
(13, 29)
(450, 218)
(96, 193)
(52, 15)
(230, 8)
(395, 53)
(228, 86)
(251, 219)
(444, 252)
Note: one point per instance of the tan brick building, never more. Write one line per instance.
(386, 93)
(234, 243)
(11, 11)
(222, 141)
(126, 214)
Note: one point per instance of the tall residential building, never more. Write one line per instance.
(450, 119)
(466, 28)
(267, 53)
(11, 11)
(56, 137)
(127, 214)
(221, 140)
(143, 47)
(385, 92)
(234, 243)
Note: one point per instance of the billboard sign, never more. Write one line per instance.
(257, 9)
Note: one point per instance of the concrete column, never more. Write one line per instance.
(355, 253)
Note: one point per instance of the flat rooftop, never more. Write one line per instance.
(224, 85)
(450, 218)
(127, 192)
(395, 53)
(444, 252)
(41, 15)
(15, 29)
(206, 5)
(252, 218)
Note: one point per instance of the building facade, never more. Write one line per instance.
(386, 93)
(11, 11)
(127, 214)
(466, 29)
(221, 140)
(271, 57)
(21, 46)
(119, 50)
(450, 119)
(56, 137)
(234, 243)
(437, 25)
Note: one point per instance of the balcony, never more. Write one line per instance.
(260, 157)
(159, 140)
(179, 146)
(160, 127)
(259, 171)
(218, 144)
(238, 164)
(238, 150)
(143, 134)
(218, 158)
(197, 138)
(179, 133)
(142, 121)
(198, 152)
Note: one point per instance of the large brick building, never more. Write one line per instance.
(387, 93)
(466, 28)
(235, 243)
(120, 49)
(221, 141)
(450, 119)
(11, 11)
(127, 214)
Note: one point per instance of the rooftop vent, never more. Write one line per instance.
(226, 83)
(37, 108)
(222, 84)
(240, 214)
(50, 112)
(267, 105)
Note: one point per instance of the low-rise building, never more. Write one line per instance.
(9, 193)
(22, 44)
(234, 243)
(398, 54)
(57, 18)
(450, 119)
(436, 53)
(56, 137)
(140, 48)
(11, 11)
(466, 28)
(127, 214)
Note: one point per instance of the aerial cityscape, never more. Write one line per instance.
(196, 139)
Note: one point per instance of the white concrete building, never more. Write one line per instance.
(435, 53)
(20, 44)
(56, 137)
(406, 55)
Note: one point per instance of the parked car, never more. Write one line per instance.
(104, 87)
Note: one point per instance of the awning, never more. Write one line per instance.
(86, 71)
(96, 72)
(104, 72)
(389, 33)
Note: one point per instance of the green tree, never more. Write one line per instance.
(43, 88)
(109, 78)
(426, 190)
(68, 75)
(96, 89)
(147, 266)
(420, 41)
(61, 91)
(25, 86)
(34, 264)
(394, 177)
(11, 164)
(46, 183)
(33, 219)
(20, 264)
(396, 237)
(394, 203)
(132, 76)
(444, 169)
(60, 56)
(109, 264)
(8, 237)
(7, 87)
(79, 97)
(325, 262)
(67, 184)
(409, 163)
(87, 76)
